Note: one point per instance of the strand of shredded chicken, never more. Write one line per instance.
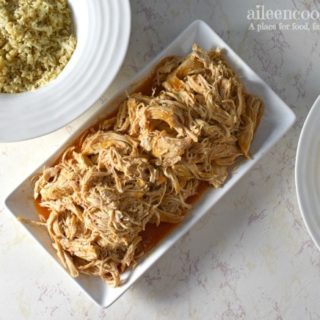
(141, 166)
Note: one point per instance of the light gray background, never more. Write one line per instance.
(251, 257)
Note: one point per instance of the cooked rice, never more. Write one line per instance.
(36, 42)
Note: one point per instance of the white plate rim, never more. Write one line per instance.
(26, 132)
(301, 179)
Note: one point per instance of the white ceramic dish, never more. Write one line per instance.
(103, 31)
(276, 121)
(308, 172)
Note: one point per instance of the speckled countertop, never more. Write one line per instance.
(251, 256)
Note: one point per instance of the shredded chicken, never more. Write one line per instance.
(141, 166)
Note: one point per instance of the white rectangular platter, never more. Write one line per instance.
(277, 119)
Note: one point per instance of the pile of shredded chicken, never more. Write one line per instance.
(141, 166)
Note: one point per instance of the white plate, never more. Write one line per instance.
(103, 31)
(276, 121)
(308, 172)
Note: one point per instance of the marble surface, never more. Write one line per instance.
(251, 256)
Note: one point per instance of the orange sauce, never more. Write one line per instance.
(43, 212)
(153, 234)
(202, 188)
